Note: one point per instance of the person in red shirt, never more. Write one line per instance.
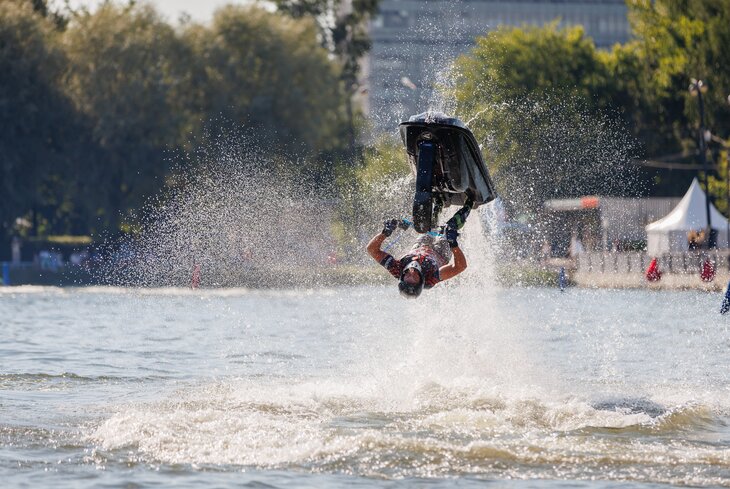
(429, 261)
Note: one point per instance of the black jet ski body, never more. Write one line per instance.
(447, 162)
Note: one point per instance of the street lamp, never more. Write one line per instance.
(697, 88)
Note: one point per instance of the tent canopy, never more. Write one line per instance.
(690, 214)
(670, 232)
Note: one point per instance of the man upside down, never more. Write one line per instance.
(430, 259)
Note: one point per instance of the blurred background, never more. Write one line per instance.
(594, 117)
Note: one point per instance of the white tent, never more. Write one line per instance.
(670, 232)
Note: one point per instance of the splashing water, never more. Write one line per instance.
(441, 24)
(238, 219)
(471, 381)
(474, 382)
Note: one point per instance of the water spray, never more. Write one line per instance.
(409, 223)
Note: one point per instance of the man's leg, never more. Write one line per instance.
(459, 218)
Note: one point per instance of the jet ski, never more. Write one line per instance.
(448, 165)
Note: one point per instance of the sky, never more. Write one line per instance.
(199, 10)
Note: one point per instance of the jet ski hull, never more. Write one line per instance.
(448, 165)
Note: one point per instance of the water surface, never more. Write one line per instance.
(356, 386)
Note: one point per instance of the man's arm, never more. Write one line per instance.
(374, 248)
(453, 269)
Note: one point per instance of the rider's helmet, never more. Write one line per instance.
(411, 284)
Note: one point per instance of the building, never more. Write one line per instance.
(414, 41)
(603, 223)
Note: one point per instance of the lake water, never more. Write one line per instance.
(467, 387)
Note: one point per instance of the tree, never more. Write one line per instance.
(683, 40)
(677, 41)
(343, 30)
(122, 76)
(512, 63)
(541, 99)
(643, 81)
(40, 128)
(95, 109)
(266, 72)
(54, 15)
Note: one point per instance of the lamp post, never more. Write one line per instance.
(697, 88)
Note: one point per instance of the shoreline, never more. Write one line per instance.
(526, 275)
(669, 281)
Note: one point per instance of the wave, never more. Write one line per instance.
(26, 380)
(328, 427)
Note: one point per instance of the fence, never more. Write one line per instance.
(637, 262)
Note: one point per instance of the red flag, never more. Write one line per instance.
(195, 282)
(708, 271)
(653, 274)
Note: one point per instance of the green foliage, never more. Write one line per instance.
(537, 98)
(512, 63)
(668, 50)
(677, 41)
(38, 121)
(343, 29)
(264, 70)
(122, 68)
(637, 95)
(95, 106)
(514, 75)
(718, 185)
(385, 159)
